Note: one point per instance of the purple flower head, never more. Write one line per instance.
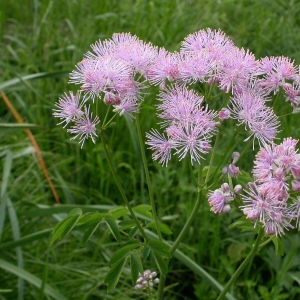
(161, 146)
(195, 67)
(69, 108)
(189, 125)
(165, 67)
(85, 127)
(263, 206)
(101, 75)
(213, 41)
(249, 109)
(219, 199)
(292, 92)
(238, 66)
(275, 71)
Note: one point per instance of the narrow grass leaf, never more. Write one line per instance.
(26, 239)
(136, 265)
(32, 279)
(16, 235)
(4, 85)
(112, 224)
(113, 276)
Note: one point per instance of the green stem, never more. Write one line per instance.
(152, 202)
(120, 187)
(178, 241)
(224, 157)
(242, 266)
(212, 156)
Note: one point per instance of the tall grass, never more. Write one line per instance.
(50, 37)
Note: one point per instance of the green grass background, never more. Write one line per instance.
(52, 36)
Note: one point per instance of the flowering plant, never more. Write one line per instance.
(207, 87)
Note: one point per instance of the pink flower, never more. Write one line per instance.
(249, 109)
(85, 127)
(69, 108)
(165, 67)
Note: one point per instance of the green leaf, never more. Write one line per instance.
(112, 224)
(75, 211)
(132, 232)
(244, 178)
(159, 247)
(90, 219)
(163, 227)
(88, 233)
(113, 276)
(136, 265)
(244, 224)
(146, 252)
(64, 227)
(144, 210)
(32, 279)
(118, 212)
(17, 125)
(126, 224)
(123, 251)
(161, 263)
(278, 245)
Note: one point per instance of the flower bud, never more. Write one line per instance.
(233, 171)
(225, 170)
(138, 286)
(235, 157)
(156, 280)
(226, 208)
(238, 189)
(224, 114)
(296, 185)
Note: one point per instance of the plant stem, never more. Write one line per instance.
(152, 202)
(120, 187)
(187, 224)
(224, 157)
(243, 265)
(178, 241)
(212, 156)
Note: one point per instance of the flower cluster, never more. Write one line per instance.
(147, 280)
(188, 124)
(232, 170)
(277, 180)
(117, 70)
(220, 199)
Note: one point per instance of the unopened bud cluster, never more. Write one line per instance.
(220, 199)
(146, 280)
(232, 170)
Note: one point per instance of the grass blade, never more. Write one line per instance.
(29, 277)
